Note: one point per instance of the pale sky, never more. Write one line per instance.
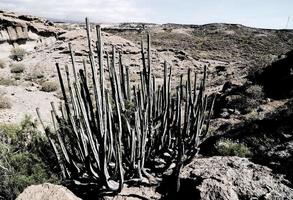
(255, 13)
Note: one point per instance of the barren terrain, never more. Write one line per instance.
(229, 50)
(249, 70)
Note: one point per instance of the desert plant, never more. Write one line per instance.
(99, 144)
(23, 152)
(49, 86)
(2, 64)
(7, 81)
(17, 53)
(243, 103)
(38, 75)
(35, 75)
(17, 68)
(227, 147)
(252, 98)
(255, 92)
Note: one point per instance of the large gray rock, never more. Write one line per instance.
(47, 191)
(25, 31)
(233, 178)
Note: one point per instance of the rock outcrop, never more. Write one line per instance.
(231, 178)
(25, 30)
(24, 27)
(214, 178)
(47, 191)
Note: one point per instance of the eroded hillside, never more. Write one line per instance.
(249, 70)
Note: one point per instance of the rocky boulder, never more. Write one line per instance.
(231, 178)
(47, 191)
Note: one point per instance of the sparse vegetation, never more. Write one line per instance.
(17, 68)
(49, 86)
(252, 116)
(242, 103)
(227, 147)
(255, 92)
(7, 81)
(35, 75)
(23, 155)
(17, 53)
(245, 98)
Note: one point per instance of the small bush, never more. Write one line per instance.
(29, 172)
(227, 147)
(16, 77)
(36, 75)
(4, 102)
(253, 116)
(2, 64)
(7, 81)
(17, 68)
(49, 86)
(251, 104)
(255, 92)
(23, 154)
(242, 103)
(17, 53)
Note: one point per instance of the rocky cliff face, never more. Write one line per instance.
(26, 31)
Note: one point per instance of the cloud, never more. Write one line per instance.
(96, 10)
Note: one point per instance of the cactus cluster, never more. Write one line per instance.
(106, 136)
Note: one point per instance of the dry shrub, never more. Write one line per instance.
(17, 53)
(35, 75)
(7, 81)
(17, 68)
(49, 86)
(24, 154)
(255, 92)
(227, 147)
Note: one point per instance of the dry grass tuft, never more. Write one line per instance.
(17, 53)
(17, 68)
(7, 81)
(49, 86)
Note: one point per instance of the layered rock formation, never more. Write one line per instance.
(27, 31)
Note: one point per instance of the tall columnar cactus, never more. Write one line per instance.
(122, 133)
